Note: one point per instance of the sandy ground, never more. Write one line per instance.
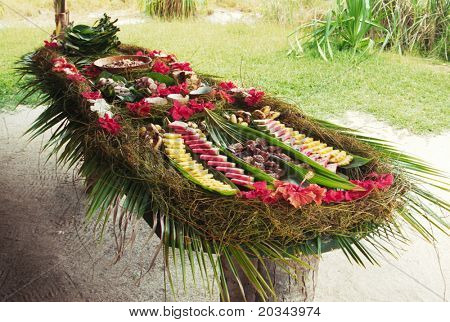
(47, 254)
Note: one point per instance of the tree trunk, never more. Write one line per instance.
(286, 287)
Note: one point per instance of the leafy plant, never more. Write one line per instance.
(87, 40)
(346, 27)
(169, 9)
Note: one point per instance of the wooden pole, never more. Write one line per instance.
(287, 289)
(61, 17)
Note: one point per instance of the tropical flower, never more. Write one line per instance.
(109, 124)
(260, 192)
(185, 66)
(91, 71)
(199, 106)
(50, 44)
(91, 96)
(164, 90)
(76, 77)
(375, 181)
(180, 111)
(101, 107)
(141, 108)
(299, 196)
(227, 86)
(227, 97)
(253, 97)
(160, 67)
(334, 196)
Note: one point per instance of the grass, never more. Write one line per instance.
(33, 7)
(408, 92)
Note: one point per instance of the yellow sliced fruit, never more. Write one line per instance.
(346, 160)
(325, 150)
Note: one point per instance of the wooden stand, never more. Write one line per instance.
(286, 287)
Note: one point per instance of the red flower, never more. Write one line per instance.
(227, 97)
(261, 192)
(91, 71)
(154, 53)
(59, 61)
(141, 108)
(50, 44)
(298, 195)
(91, 95)
(139, 53)
(334, 196)
(160, 67)
(181, 66)
(253, 97)
(109, 124)
(163, 90)
(180, 111)
(227, 86)
(199, 106)
(76, 77)
(382, 181)
(179, 89)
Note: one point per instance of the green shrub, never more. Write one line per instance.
(346, 27)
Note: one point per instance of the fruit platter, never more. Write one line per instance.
(218, 169)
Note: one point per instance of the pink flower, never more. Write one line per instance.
(253, 97)
(91, 71)
(160, 67)
(141, 108)
(109, 124)
(180, 111)
(92, 95)
(181, 66)
(139, 53)
(227, 86)
(50, 44)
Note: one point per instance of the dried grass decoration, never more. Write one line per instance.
(218, 169)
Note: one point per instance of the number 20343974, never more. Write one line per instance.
(289, 311)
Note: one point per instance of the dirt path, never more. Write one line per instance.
(47, 255)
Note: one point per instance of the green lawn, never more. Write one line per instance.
(408, 92)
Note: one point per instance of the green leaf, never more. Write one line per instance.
(160, 78)
(357, 161)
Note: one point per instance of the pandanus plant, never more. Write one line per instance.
(346, 27)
